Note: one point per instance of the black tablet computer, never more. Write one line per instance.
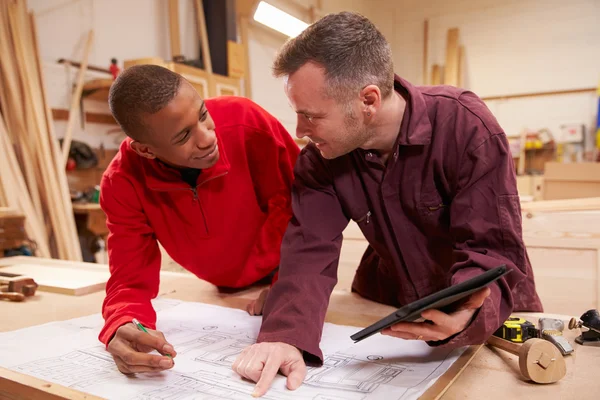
(439, 300)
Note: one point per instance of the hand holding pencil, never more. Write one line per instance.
(132, 343)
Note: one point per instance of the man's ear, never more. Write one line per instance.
(370, 97)
(142, 149)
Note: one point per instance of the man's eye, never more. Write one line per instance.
(185, 137)
(309, 118)
(203, 116)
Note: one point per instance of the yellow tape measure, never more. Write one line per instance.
(517, 330)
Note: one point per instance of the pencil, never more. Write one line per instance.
(143, 329)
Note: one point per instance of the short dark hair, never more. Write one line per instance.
(349, 47)
(141, 89)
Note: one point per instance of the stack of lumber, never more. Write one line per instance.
(32, 178)
(451, 73)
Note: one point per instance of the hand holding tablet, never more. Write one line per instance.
(444, 300)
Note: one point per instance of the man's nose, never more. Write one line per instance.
(205, 138)
(302, 129)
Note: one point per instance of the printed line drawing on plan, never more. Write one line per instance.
(344, 372)
(77, 369)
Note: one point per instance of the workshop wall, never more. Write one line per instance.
(122, 29)
(511, 46)
(139, 29)
(514, 46)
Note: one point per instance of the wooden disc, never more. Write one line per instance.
(541, 362)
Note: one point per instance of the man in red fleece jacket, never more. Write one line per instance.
(208, 179)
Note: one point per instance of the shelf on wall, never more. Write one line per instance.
(96, 89)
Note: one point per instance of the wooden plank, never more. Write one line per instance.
(144, 61)
(61, 114)
(36, 124)
(436, 75)
(12, 178)
(86, 208)
(592, 203)
(97, 89)
(189, 70)
(425, 50)
(74, 281)
(13, 106)
(17, 386)
(461, 62)
(522, 143)
(246, 8)
(42, 83)
(315, 11)
(174, 35)
(89, 67)
(3, 199)
(539, 94)
(25, 195)
(557, 190)
(9, 168)
(243, 22)
(71, 235)
(567, 181)
(8, 211)
(598, 278)
(562, 224)
(203, 36)
(97, 84)
(75, 99)
(236, 60)
(451, 66)
(62, 221)
(579, 172)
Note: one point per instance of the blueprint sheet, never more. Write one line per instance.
(207, 340)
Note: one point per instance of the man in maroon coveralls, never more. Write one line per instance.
(427, 174)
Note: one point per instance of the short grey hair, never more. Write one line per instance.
(350, 49)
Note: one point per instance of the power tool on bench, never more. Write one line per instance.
(590, 320)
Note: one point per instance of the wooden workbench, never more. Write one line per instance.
(492, 374)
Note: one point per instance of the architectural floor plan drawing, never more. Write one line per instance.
(347, 373)
(208, 339)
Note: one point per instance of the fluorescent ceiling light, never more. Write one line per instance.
(279, 20)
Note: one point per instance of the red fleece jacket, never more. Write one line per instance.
(228, 234)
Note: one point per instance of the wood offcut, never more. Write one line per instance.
(539, 360)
